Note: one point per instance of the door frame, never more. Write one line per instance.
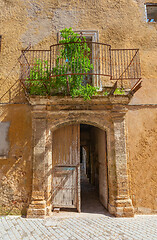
(44, 122)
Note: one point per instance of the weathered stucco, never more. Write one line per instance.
(142, 142)
(16, 169)
(121, 23)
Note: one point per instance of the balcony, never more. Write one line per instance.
(101, 67)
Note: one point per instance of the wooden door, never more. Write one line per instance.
(66, 167)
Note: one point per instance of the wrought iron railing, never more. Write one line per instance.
(108, 65)
(125, 65)
(30, 59)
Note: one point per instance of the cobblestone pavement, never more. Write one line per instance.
(79, 226)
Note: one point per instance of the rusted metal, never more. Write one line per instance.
(107, 64)
(136, 84)
(125, 64)
(136, 88)
(98, 43)
(67, 74)
(68, 89)
(113, 89)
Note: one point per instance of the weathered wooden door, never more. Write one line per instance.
(66, 167)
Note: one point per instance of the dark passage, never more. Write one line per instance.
(90, 198)
(89, 164)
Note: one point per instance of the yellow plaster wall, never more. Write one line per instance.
(121, 23)
(142, 145)
(16, 169)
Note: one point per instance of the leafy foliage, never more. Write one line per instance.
(119, 91)
(105, 93)
(38, 83)
(73, 57)
(85, 91)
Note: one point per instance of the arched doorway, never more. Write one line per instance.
(110, 120)
(79, 168)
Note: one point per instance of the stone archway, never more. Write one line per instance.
(113, 122)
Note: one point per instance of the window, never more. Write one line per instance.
(94, 35)
(4, 143)
(91, 36)
(0, 42)
(151, 11)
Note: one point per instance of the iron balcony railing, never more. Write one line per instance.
(106, 65)
(125, 64)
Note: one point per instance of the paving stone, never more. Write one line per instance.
(84, 227)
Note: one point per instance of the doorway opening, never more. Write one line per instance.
(79, 168)
(93, 169)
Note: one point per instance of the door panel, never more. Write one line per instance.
(65, 187)
(66, 145)
(66, 167)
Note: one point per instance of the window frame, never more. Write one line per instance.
(94, 34)
(146, 11)
(4, 141)
(86, 33)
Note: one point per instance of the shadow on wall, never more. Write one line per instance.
(13, 95)
(16, 167)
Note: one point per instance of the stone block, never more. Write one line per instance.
(35, 213)
(119, 210)
(128, 209)
(128, 214)
(38, 205)
(123, 203)
(37, 195)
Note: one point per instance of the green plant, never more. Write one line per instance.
(72, 66)
(73, 58)
(119, 91)
(84, 91)
(105, 93)
(38, 82)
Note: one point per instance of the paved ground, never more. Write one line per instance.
(93, 223)
(81, 227)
